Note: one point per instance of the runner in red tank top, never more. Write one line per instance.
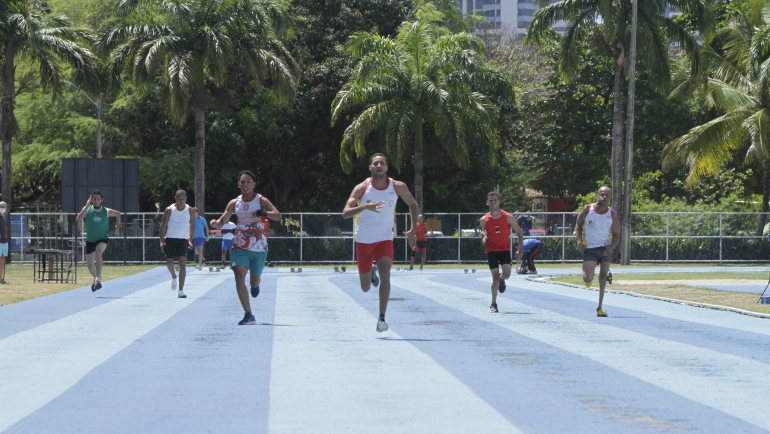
(421, 242)
(496, 228)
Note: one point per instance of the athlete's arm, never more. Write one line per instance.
(579, 228)
(352, 209)
(115, 213)
(515, 226)
(406, 196)
(483, 227)
(164, 226)
(191, 232)
(229, 210)
(84, 211)
(615, 234)
(272, 212)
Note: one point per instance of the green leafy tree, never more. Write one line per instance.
(191, 44)
(420, 77)
(655, 34)
(737, 86)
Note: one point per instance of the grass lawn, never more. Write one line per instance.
(21, 285)
(676, 291)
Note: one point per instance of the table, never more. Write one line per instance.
(51, 265)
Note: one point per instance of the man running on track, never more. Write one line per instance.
(531, 248)
(250, 240)
(97, 221)
(373, 202)
(602, 235)
(200, 237)
(421, 243)
(176, 236)
(496, 228)
(228, 233)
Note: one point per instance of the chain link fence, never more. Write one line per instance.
(308, 238)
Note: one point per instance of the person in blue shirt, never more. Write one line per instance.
(200, 237)
(532, 247)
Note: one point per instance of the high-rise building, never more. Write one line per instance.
(508, 14)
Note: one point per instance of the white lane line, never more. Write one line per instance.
(658, 308)
(735, 385)
(40, 364)
(330, 373)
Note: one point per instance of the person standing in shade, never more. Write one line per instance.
(421, 242)
(250, 239)
(531, 248)
(3, 241)
(176, 236)
(599, 225)
(373, 203)
(496, 229)
(97, 222)
(228, 233)
(200, 237)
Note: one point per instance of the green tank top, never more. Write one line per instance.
(97, 224)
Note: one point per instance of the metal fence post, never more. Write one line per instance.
(720, 237)
(667, 233)
(563, 238)
(301, 235)
(459, 233)
(141, 227)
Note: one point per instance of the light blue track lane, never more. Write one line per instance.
(139, 360)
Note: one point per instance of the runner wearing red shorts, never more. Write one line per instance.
(496, 228)
(421, 243)
(373, 203)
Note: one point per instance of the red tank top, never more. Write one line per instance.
(498, 233)
(421, 233)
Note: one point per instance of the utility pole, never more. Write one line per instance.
(99, 103)
(625, 251)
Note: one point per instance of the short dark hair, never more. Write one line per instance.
(248, 172)
(180, 191)
(97, 192)
(371, 159)
(493, 193)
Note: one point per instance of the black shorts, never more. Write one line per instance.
(91, 247)
(501, 258)
(596, 255)
(175, 247)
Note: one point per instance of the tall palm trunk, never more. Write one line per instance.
(765, 197)
(200, 160)
(8, 125)
(418, 164)
(617, 129)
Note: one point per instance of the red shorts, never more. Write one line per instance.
(366, 253)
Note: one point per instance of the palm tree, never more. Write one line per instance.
(31, 33)
(191, 44)
(655, 33)
(739, 63)
(419, 77)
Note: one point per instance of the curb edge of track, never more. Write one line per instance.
(547, 279)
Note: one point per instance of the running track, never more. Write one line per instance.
(132, 358)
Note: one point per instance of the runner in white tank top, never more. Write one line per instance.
(250, 241)
(176, 236)
(373, 203)
(602, 235)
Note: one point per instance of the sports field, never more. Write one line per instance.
(134, 358)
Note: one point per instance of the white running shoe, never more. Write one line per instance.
(173, 283)
(199, 268)
(182, 294)
(382, 326)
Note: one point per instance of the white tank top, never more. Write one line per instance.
(250, 230)
(598, 228)
(179, 223)
(372, 227)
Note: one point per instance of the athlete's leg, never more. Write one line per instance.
(182, 270)
(531, 257)
(603, 280)
(383, 267)
(423, 252)
(100, 248)
(200, 255)
(506, 271)
(495, 283)
(589, 268)
(364, 256)
(240, 284)
(90, 259)
(170, 266)
(411, 259)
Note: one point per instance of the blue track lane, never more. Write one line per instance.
(132, 358)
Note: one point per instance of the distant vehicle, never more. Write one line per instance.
(536, 232)
(434, 234)
(471, 233)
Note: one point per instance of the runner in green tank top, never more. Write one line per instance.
(97, 222)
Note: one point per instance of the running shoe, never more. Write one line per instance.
(3, 282)
(97, 285)
(248, 319)
(182, 294)
(420, 267)
(375, 277)
(501, 287)
(410, 269)
(173, 283)
(199, 268)
(601, 312)
(609, 277)
(588, 285)
(532, 271)
(93, 286)
(382, 326)
(255, 291)
(493, 308)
